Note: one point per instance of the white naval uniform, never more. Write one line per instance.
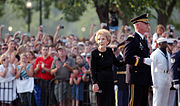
(161, 78)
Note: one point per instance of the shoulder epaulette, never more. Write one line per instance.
(130, 36)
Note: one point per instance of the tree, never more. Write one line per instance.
(72, 9)
(102, 9)
(2, 7)
(164, 10)
(132, 8)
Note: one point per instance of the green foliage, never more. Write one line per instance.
(2, 7)
(47, 4)
(72, 9)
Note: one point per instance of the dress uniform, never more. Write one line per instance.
(175, 68)
(121, 78)
(161, 77)
(138, 71)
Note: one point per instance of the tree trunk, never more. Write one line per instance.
(164, 17)
(102, 11)
(124, 21)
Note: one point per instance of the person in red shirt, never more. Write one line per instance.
(42, 68)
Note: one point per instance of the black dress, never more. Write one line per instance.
(102, 74)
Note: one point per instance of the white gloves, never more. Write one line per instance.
(147, 61)
(154, 86)
(115, 87)
(176, 86)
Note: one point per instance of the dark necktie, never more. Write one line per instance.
(145, 41)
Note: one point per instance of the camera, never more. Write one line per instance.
(2, 25)
(62, 27)
(171, 27)
(19, 32)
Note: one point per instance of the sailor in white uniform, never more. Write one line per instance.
(161, 77)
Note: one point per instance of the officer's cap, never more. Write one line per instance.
(160, 40)
(141, 18)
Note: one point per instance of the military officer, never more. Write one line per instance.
(175, 68)
(121, 77)
(137, 59)
(161, 77)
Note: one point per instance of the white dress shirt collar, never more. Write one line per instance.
(142, 36)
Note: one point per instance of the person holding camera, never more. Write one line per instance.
(170, 31)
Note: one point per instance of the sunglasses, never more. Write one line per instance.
(5, 60)
(4, 48)
(88, 57)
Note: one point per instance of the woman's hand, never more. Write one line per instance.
(95, 88)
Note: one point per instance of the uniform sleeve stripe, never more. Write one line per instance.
(137, 61)
(132, 95)
(121, 72)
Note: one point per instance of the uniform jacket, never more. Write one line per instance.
(175, 69)
(137, 72)
(159, 68)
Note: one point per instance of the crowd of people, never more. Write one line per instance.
(53, 69)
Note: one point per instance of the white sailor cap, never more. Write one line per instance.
(162, 40)
(170, 41)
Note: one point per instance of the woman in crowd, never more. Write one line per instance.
(7, 82)
(25, 82)
(101, 67)
(159, 31)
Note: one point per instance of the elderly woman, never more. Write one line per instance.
(101, 66)
(7, 81)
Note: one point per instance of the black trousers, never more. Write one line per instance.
(138, 95)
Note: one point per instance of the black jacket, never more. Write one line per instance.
(137, 72)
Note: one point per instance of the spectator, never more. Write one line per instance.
(113, 20)
(61, 69)
(170, 31)
(86, 80)
(42, 69)
(25, 81)
(159, 31)
(7, 81)
(52, 51)
(11, 53)
(4, 48)
(31, 57)
(74, 51)
(77, 86)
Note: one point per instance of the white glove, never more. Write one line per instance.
(154, 86)
(147, 61)
(176, 86)
(115, 87)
